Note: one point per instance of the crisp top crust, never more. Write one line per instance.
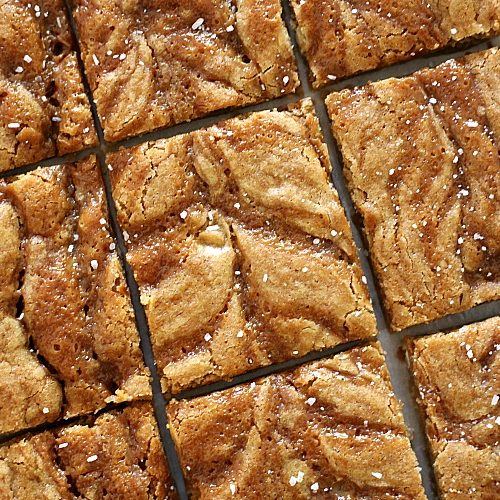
(329, 429)
(43, 107)
(119, 455)
(68, 341)
(421, 160)
(342, 37)
(458, 377)
(153, 63)
(240, 246)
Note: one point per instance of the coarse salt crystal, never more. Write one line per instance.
(207, 337)
(19, 69)
(433, 100)
(230, 28)
(364, 280)
(314, 487)
(183, 215)
(331, 77)
(62, 445)
(494, 400)
(286, 79)
(232, 488)
(453, 31)
(265, 277)
(13, 125)
(378, 475)
(305, 269)
(198, 23)
(310, 401)
(94, 264)
(471, 123)
(45, 410)
(92, 458)
(95, 59)
(333, 232)
(240, 334)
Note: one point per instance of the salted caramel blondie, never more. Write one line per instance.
(116, 455)
(44, 110)
(422, 164)
(342, 37)
(68, 341)
(240, 246)
(458, 379)
(328, 429)
(154, 64)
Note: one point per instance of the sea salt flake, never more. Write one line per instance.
(378, 475)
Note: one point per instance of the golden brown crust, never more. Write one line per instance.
(119, 455)
(342, 37)
(43, 107)
(74, 344)
(458, 377)
(153, 64)
(421, 160)
(329, 429)
(240, 246)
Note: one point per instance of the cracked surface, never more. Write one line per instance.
(421, 160)
(43, 107)
(153, 64)
(68, 341)
(342, 37)
(328, 429)
(119, 455)
(458, 378)
(240, 246)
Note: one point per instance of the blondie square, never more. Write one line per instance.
(458, 378)
(421, 160)
(44, 110)
(342, 37)
(68, 341)
(240, 246)
(153, 63)
(329, 429)
(116, 455)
